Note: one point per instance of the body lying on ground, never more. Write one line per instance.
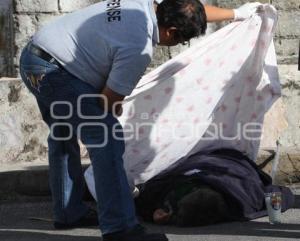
(220, 186)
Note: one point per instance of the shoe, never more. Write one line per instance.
(138, 233)
(88, 220)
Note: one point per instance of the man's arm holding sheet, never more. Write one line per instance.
(216, 14)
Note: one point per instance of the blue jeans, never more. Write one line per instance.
(57, 92)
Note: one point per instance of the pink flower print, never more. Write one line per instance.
(164, 156)
(233, 47)
(148, 97)
(153, 111)
(249, 79)
(223, 108)
(222, 62)
(182, 72)
(272, 92)
(250, 93)
(237, 99)
(168, 90)
(165, 121)
(157, 140)
(190, 108)
(135, 151)
(207, 61)
(262, 44)
(253, 116)
(199, 81)
(267, 29)
(131, 113)
(260, 98)
(179, 99)
(208, 100)
(196, 120)
(206, 87)
(253, 43)
(165, 146)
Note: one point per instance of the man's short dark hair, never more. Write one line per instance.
(188, 16)
(203, 206)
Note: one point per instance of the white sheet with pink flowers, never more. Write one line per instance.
(213, 95)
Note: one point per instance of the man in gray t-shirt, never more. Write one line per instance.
(104, 42)
(102, 49)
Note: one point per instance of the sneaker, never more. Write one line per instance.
(138, 233)
(88, 220)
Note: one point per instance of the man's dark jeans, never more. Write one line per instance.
(70, 118)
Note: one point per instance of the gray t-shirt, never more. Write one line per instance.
(108, 43)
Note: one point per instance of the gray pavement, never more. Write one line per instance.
(16, 225)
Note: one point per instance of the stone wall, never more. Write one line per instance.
(21, 18)
(6, 38)
(288, 31)
(26, 16)
(19, 119)
(30, 15)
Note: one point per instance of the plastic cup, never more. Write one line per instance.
(273, 203)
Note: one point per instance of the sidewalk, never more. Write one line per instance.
(31, 179)
(25, 182)
(24, 193)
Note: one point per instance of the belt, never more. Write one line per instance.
(42, 54)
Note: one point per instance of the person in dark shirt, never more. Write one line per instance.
(182, 201)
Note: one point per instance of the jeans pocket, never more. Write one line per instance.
(35, 78)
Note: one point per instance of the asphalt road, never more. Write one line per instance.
(16, 225)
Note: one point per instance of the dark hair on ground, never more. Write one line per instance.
(188, 16)
(204, 206)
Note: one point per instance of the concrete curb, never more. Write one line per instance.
(26, 184)
(33, 181)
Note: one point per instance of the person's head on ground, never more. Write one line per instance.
(180, 20)
(204, 206)
(200, 206)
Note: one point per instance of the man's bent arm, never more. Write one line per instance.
(112, 98)
(215, 14)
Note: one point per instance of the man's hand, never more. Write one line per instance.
(246, 11)
(112, 102)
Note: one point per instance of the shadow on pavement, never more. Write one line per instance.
(21, 235)
(252, 229)
(15, 224)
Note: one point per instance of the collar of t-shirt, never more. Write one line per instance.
(155, 37)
